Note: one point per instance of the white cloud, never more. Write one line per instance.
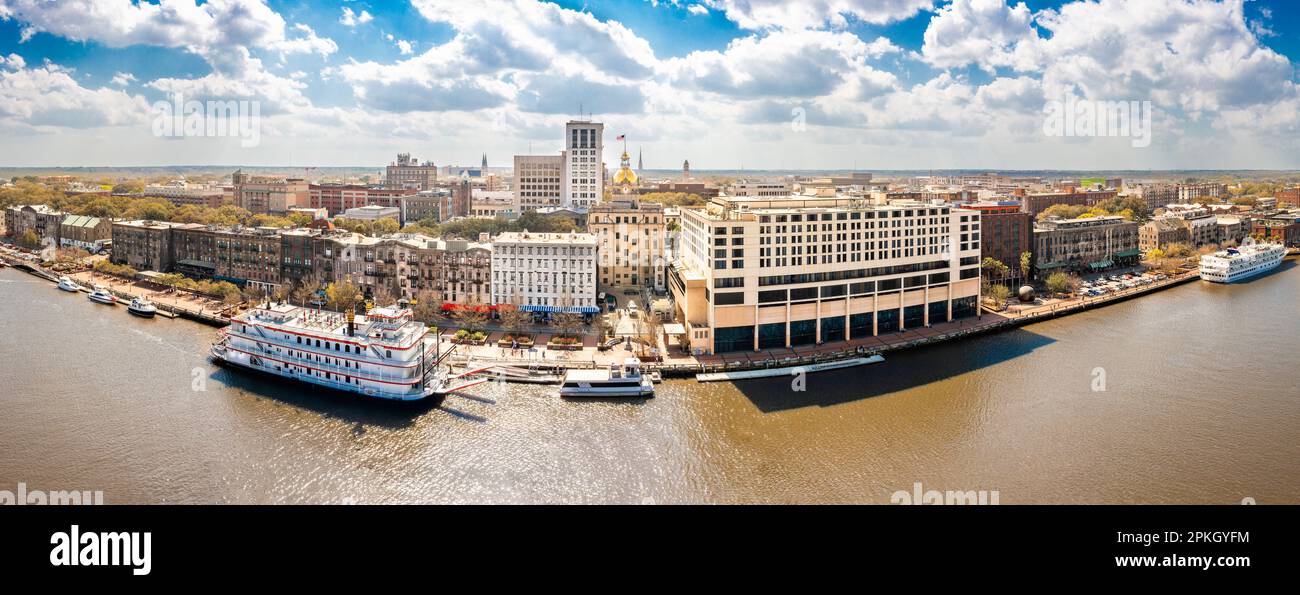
(989, 33)
(352, 19)
(785, 14)
(799, 63)
(513, 70)
(48, 96)
(203, 28)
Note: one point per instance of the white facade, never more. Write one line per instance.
(541, 271)
(760, 189)
(584, 170)
(755, 273)
(373, 213)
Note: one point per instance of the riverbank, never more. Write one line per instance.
(170, 303)
(675, 364)
(686, 366)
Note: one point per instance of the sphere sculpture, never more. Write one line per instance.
(1026, 293)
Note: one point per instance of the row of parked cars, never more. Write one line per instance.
(1113, 283)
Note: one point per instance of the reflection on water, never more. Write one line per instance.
(1201, 404)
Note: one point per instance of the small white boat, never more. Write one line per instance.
(141, 306)
(102, 296)
(614, 381)
(67, 284)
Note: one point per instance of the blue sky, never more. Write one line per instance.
(760, 83)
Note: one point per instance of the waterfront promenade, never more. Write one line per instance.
(675, 362)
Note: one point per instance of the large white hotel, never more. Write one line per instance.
(545, 272)
(763, 273)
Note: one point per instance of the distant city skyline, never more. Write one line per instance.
(870, 85)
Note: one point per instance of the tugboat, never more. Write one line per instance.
(67, 284)
(141, 306)
(102, 296)
(613, 381)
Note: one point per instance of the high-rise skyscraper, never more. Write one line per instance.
(584, 170)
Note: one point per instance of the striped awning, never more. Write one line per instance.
(561, 309)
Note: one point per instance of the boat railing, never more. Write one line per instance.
(331, 367)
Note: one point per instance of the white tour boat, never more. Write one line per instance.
(67, 284)
(613, 381)
(141, 306)
(102, 296)
(385, 354)
(1234, 264)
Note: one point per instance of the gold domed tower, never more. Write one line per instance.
(625, 181)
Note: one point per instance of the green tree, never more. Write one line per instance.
(1060, 282)
(999, 294)
(994, 269)
(1026, 265)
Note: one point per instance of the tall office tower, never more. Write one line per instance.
(584, 171)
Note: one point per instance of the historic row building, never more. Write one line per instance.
(1085, 245)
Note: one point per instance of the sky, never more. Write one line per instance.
(725, 84)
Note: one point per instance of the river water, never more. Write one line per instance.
(1187, 395)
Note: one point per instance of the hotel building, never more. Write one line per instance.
(337, 198)
(630, 240)
(181, 193)
(263, 195)
(545, 272)
(762, 273)
(408, 172)
(456, 271)
(748, 188)
(1199, 192)
(1089, 244)
(1037, 203)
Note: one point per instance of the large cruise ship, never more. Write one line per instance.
(385, 354)
(1235, 264)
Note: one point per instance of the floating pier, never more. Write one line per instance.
(787, 371)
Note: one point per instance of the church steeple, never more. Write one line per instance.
(639, 165)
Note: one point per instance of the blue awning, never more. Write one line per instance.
(559, 309)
